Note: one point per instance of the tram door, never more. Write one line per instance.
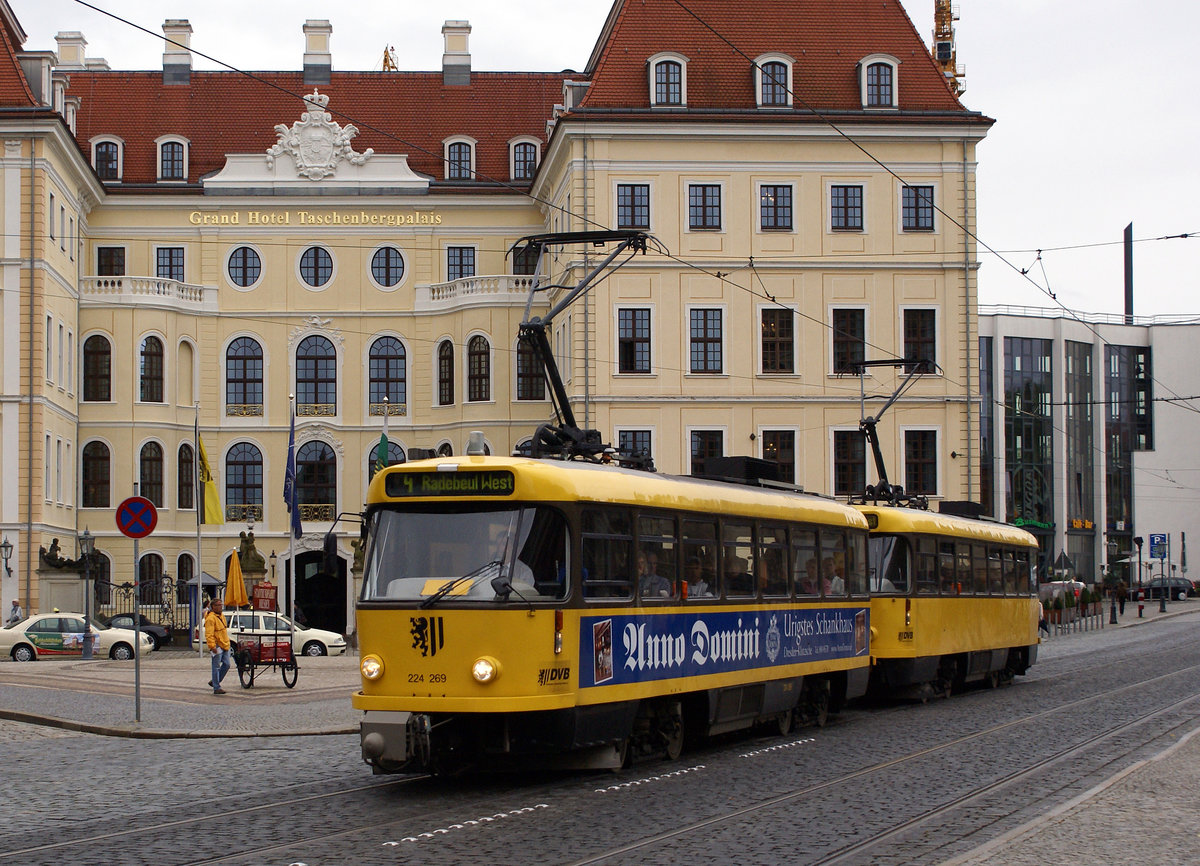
(322, 597)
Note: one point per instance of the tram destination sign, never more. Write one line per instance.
(489, 482)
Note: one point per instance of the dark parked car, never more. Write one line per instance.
(1177, 588)
(160, 634)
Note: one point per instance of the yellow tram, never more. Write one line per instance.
(953, 601)
(519, 612)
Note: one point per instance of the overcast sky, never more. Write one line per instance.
(1096, 113)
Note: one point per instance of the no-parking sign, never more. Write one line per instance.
(136, 517)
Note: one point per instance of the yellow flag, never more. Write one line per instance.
(208, 489)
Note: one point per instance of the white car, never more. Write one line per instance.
(254, 625)
(60, 635)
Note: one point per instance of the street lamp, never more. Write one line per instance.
(6, 549)
(273, 558)
(87, 544)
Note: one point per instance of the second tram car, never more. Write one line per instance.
(953, 601)
(519, 613)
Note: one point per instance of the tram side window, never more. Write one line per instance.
(806, 563)
(946, 575)
(658, 579)
(608, 564)
(1025, 567)
(833, 563)
(770, 564)
(856, 563)
(965, 579)
(737, 549)
(888, 570)
(544, 550)
(995, 572)
(700, 558)
(979, 572)
(1010, 572)
(926, 566)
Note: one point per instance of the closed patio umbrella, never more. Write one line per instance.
(235, 585)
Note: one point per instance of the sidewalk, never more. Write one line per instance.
(100, 696)
(1150, 613)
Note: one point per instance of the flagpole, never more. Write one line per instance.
(201, 501)
(293, 525)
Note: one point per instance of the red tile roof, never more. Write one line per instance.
(14, 89)
(720, 39)
(413, 112)
(396, 113)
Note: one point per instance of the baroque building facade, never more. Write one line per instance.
(190, 250)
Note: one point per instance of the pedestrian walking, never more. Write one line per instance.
(216, 635)
(1122, 594)
(15, 614)
(1042, 624)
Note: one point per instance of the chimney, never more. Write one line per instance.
(318, 64)
(177, 53)
(71, 45)
(456, 62)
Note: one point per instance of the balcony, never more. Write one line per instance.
(320, 513)
(243, 513)
(147, 291)
(244, 410)
(378, 410)
(316, 410)
(501, 289)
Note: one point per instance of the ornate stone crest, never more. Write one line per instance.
(315, 143)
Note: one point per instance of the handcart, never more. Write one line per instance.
(255, 653)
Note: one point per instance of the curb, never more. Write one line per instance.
(138, 733)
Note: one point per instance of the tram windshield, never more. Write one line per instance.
(441, 557)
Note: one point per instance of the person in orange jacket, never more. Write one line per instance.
(216, 635)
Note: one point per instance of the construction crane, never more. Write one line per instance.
(944, 16)
(389, 59)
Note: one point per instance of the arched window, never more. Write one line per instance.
(151, 371)
(531, 381)
(244, 377)
(387, 266)
(395, 455)
(458, 161)
(316, 481)
(186, 482)
(668, 82)
(880, 92)
(775, 84)
(479, 370)
(108, 160)
(444, 450)
(101, 571)
(150, 473)
(185, 570)
(316, 377)
(245, 267)
(386, 369)
(524, 160)
(316, 266)
(150, 572)
(445, 373)
(243, 483)
(97, 369)
(95, 475)
(172, 164)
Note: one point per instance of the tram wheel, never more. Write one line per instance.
(291, 671)
(786, 722)
(815, 702)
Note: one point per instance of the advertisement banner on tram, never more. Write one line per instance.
(643, 647)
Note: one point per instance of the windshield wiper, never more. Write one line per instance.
(448, 587)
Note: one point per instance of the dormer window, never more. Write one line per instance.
(523, 157)
(172, 159)
(668, 79)
(106, 157)
(460, 159)
(878, 81)
(773, 81)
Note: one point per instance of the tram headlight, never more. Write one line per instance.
(371, 667)
(485, 669)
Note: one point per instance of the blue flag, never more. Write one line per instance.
(290, 493)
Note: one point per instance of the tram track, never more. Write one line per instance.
(863, 847)
(417, 822)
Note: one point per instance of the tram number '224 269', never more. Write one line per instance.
(423, 678)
